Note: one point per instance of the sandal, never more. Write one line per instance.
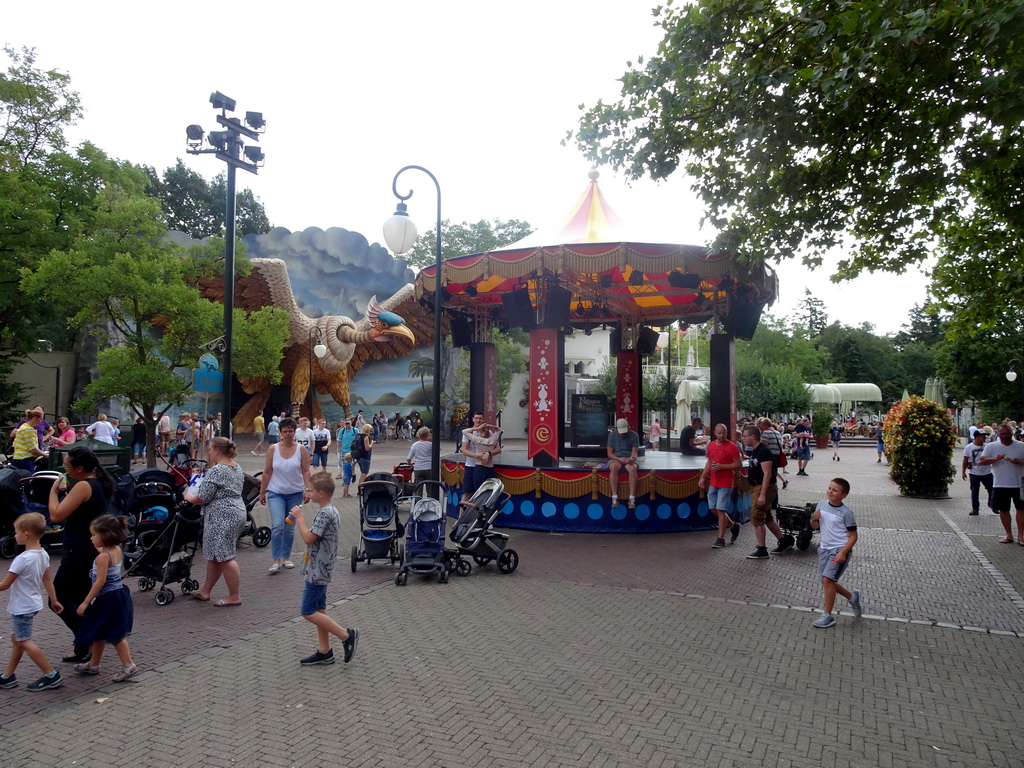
(126, 673)
(1006, 540)
(87, 669)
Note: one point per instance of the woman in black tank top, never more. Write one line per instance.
(87, 499)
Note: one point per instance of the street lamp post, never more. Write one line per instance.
(319, 350)
(400, 234)
(228, 146)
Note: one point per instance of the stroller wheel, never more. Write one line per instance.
(803, 540)
(261, 536)
(401, 578)
(463, 567)
(508, 561)
(164, 596)
(8, 547)
(355, 558)
(188, 586)
(146, 584)
(442, 577)
(481, 560)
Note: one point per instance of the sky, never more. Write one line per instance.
(481, 94)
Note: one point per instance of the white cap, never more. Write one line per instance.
(622, 425)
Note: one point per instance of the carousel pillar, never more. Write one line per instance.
(483, 380)
(723, 382)
(627, 387)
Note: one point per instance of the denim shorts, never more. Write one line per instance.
(719, 498)
(23, 626)
(314, 598)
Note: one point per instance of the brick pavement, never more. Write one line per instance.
(585, 657)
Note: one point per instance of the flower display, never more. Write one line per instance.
(919, 442)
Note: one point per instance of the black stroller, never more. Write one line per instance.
(796, 521)
(250, 496)
(474, 533)
(379, 528)
(164, 548)
(424, 541)
(21, 493)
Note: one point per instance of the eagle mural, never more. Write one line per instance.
(392, 328)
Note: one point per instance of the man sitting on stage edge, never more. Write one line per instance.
(623, 445)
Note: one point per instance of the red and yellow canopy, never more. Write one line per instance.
(611, 280)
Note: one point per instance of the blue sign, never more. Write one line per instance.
(207, 381)
(208, 363)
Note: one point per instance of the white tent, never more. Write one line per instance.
(687, 395)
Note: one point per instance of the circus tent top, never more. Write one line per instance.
(586, 261)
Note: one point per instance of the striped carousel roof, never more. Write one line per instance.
(612, 278)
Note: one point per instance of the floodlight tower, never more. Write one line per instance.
(228, 146)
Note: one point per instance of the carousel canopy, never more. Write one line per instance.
(583, 271)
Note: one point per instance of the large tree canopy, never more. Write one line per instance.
(892, 129)
(195, 206)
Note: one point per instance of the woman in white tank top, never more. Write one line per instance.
(285, 484)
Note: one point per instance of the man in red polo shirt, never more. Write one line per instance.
(724, 458)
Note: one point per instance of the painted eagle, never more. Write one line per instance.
(392, 328)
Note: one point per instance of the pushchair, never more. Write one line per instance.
(796, 521)
(379, 528)
(164, 550)
(250, 497)
(474, 534)
(424, 540)
(21, 493)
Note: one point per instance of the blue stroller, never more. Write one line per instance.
(379, 528)
(424, 541)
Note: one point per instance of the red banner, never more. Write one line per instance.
(542, 427)
(627, 385)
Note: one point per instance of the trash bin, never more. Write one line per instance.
(113, 458)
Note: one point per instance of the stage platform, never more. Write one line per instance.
(575, 496)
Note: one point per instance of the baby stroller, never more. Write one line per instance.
(163, 552)
(21, 493)
(796, 521)
(474, 534)
(250, 497)
(378, 521)
(424, 541)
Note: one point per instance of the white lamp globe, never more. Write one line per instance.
(400, 231)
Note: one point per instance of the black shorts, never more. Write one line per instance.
(1001, 498)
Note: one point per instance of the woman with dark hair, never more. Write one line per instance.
(88, 498)
(65, 434)
(285, 484)
(223, 519)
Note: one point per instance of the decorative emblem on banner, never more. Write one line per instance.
(543, 387)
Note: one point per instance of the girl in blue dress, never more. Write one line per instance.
(107, 612)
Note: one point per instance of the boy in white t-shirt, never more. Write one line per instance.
(838, 536)
(28, 575)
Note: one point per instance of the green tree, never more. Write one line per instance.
(776, 342)
(125, 283)
(890, 130)
(764, 389)
(465, 238)
(974, 369)
(195, 206)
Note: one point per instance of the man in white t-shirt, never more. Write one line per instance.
(304, 435)
(1006, 457)
(979, 475)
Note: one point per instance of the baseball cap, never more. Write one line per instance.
(622, 425)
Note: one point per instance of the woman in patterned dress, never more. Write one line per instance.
(223, 519)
